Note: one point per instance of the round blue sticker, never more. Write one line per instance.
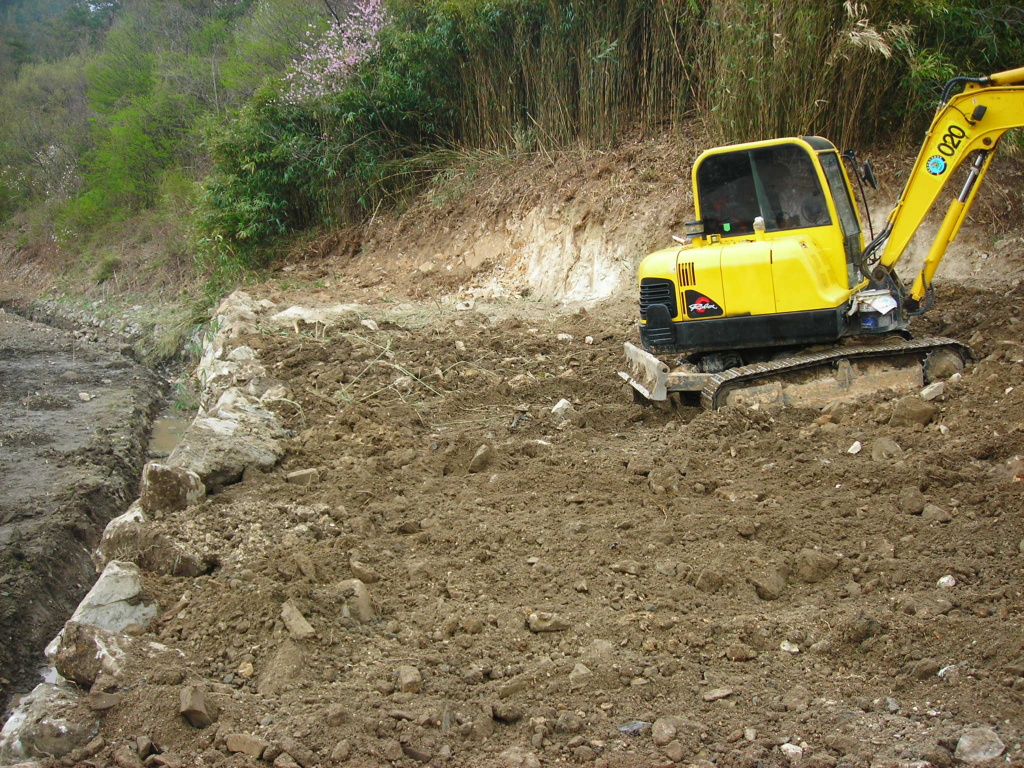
(936, 165)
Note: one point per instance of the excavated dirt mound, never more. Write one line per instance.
(733, 586)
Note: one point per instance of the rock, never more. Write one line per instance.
(884, 449)
(337, 715)
(855, 448)
(717, 693)
(99, 701)
(947, 582)
(978, 745)
(789, 647)
(812, 566)
(84, 651)
(419, 755)
(363, 572)
(326, 316)
(195, 709)
(740, 652)
(481, 459)
(285, 668)
(911, 410)
(634, 728)
(933, 391)
(303, 477)
(580, 676)
(664, 480)
(295, 622)
(568, 722)
(131, 538)
(796, 699)
(165, 489)
(630, 567)
(341, 752)
(543, 621)
(284, 760)
(219, 448)
(114, 602)
(674, 751)
(48, 722)
(936, 514)
(300, 753)
(356, 598)
(792, 752)
(410, 680)
(769, 584)
(125, 757)
(246, 744)
(911, 500)
(663, 731)
(709, 581)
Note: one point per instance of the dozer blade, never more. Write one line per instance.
(647, 374)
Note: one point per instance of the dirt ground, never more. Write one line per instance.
(621, 586)
(73, 417)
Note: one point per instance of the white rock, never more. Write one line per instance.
(465, 306)
(855, 448)
(588, 340)
(562, 407)
(789, 647)
(979, 745)
(369, 325)
(934, 390)
(49, 722)
(85, 397)
(241, 354)
(113, 603)
(328, 316)
(947, 582)
(792, 752)
(564, 337)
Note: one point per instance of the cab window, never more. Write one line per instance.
(778, 183)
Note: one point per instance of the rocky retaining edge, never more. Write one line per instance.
(233, 431)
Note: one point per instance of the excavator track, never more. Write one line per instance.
(718, 386)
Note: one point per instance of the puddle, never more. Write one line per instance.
(166, 434)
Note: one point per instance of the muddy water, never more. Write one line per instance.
(73, 422)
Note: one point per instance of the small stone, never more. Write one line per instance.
(296, 623)
(341, 752)
(769, 585)
(750, 734)
(363, 572)
(933, 391)
(979, 745)
(246, 744)
(481, 459)
(357, 601)
(911, 410)
(303, 477)
(812, 566)
(792, 752)
(125, 757)
(884, 449)
(717, 693)
(580, 676)
(709, 581)
(951, 674)
(370, 325)
(543, 621)
(663, 731)
(674, 751)
(246, 670)
(194, 708)
(936, 514)
(85, 397)
(740, 652)
(789, 647)
(947, 582)
(410, 680)
(100, 701)
(284, 760)
(911, 500)
(925, 669)
(856, 448)
(419, 755)
(630, 567)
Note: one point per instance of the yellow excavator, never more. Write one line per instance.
(773, 297)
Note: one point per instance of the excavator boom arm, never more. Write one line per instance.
(966, 128)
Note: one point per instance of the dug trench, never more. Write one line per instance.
(74, 416)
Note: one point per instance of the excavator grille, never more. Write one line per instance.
(655, 290)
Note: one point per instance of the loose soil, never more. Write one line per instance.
(739, 577)
(73, 417)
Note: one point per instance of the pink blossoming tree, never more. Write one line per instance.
(329, 59)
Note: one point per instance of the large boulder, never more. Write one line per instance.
(234, 435)
(85, 651)
(49, 722)
(169, 489)
(131, 537)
